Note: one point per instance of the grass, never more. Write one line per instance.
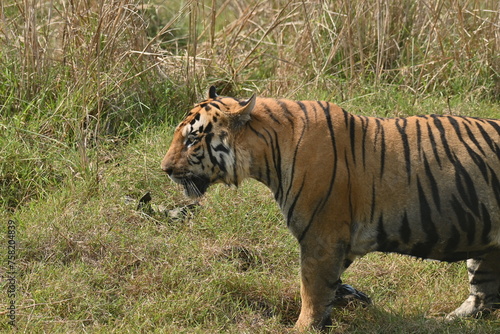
(89, 95)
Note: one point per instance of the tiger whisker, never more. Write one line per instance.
(190, 187)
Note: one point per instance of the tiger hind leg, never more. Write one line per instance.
(484, 279)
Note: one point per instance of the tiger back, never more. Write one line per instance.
(427, 186)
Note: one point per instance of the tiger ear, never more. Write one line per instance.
(212, 92)
(243, 115)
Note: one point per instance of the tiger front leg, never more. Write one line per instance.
(322, 263)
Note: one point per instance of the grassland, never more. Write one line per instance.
(89, 94)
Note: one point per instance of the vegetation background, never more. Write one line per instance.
(89, 94)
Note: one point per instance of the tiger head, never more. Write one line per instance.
(203, 149)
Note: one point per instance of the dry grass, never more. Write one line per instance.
(276, 47)
(288, 47)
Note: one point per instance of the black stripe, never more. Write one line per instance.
(268, 171)
(346, 118)
(269, 112)
(475, 281)
(439, 125)
(311, 220)
(222, 166)
(207, 129)
(419, 137)
(495, 185)
(404, 230)
(235, 170)
(384, 244)
(352, 135)
(260, 177)
(381, 234)
(294, 202)
(481, 164)
(372, 207)
(433, 184)
(288, 115)
(258, 134)
(378, 125)
(495, 125)
(276, 160)
(221, 148)
(426, 216)
(488, 139)
(433, 145)
(304, 110)
(195, 119)
(294, 164)
(478, 272)
(423, 249)
(406, 145)
(466, 188)
(213, 159)
(382, 151)
(478, 160)
(486, 219)
(364, 122)
(326, 111)
(472, 137)
(464, 219)
(349, 187)
(467, 119)
(196, 159)
(453, 240)
(277, 166)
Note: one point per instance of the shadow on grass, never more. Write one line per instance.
(354, 317)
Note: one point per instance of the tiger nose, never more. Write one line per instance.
(167, 168)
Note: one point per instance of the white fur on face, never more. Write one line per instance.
(194, 128)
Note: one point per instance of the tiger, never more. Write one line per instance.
(425, 186)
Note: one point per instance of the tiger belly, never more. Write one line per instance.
(455, 234)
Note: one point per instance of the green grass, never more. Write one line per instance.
(86, 119)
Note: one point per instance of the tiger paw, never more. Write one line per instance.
(476, 306)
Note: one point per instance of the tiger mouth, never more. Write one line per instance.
(194, 186)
